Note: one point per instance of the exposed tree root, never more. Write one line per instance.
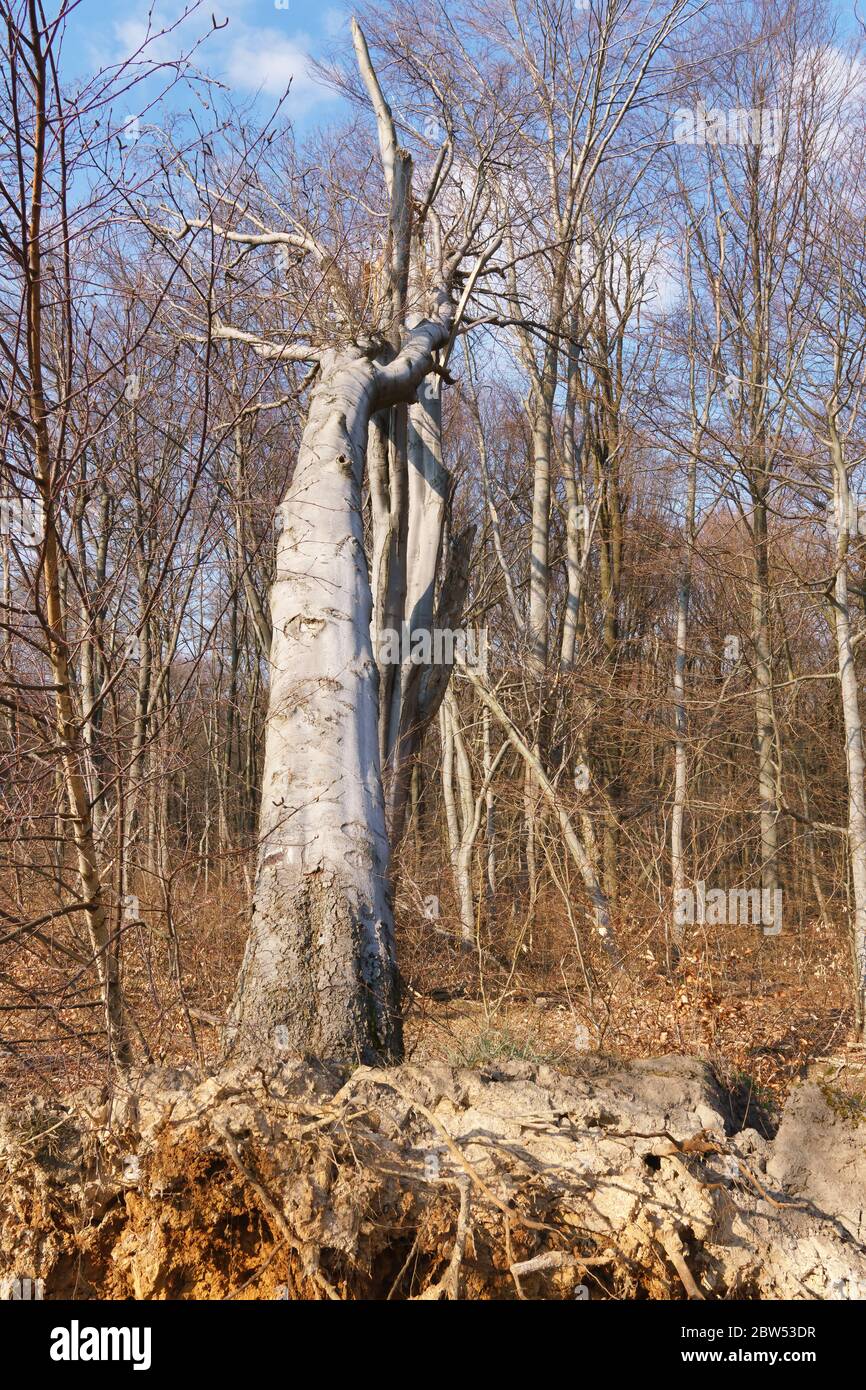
(425, 1183)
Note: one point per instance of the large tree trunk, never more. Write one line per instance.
(319, 972)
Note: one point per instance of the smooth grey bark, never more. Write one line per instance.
(421, 578)
(854, 759)
(684, 593)
(764, 712)
(539, 569)
(426, 510)
(579, 526)
(490, 809)
(319, 971)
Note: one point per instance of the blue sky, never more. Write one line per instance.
(264, 45)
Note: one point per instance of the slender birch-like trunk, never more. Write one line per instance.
(572, 840)
(67, 717)
(454, 760)
(539, 570)
(853, 725)
(463, 813)
(684, 593)
(427, 504)
(767, 752)
(490, 809)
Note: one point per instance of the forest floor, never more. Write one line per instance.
(762, 1011)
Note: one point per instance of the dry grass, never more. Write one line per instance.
(762, 1010)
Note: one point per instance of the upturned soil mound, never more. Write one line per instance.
(430, 1182)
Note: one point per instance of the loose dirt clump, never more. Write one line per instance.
(509, 1180)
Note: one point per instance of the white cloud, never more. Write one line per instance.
(249, 57)
(130, 33)
(264, 59)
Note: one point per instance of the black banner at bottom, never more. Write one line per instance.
(223, 1340)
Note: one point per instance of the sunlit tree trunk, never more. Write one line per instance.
(850, 693)
(319, 971)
